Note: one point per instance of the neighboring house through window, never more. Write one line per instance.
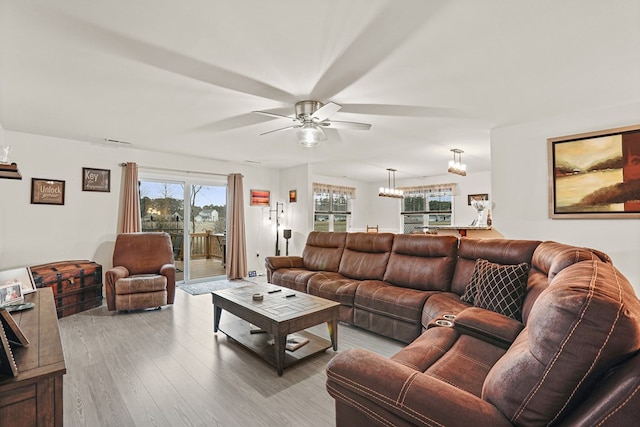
(332, 207)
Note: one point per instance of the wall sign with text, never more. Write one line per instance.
(96, 180)
(47, 191)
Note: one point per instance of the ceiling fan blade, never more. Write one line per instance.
(333, 124)
(326, 111)
(108, 41)
(402, 110)
(279, 130)
(277, 116)
(378, 40)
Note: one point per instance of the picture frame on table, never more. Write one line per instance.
(47, 191)
(21, 276)
(595, 174)
(96, 180)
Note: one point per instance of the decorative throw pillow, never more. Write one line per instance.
(469, 295)
(501, 288)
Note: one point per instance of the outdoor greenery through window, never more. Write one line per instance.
(427, 206)
(332, 207)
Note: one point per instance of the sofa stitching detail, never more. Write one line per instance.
(408, 364)
(485, 331)
(620, 406)
(380, 397)
(547, 371)
(405, 388)
(604, 344)
(361, 407)
(464, 356)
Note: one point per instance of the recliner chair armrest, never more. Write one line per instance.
(169, 271)
(377, 386)
(111, 277)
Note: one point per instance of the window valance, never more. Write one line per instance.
(427, 189)
(336, 189)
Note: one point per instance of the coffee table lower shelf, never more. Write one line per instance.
(262, 344)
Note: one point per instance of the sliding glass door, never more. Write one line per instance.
(197, 228)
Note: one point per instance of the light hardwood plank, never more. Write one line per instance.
(168, 368)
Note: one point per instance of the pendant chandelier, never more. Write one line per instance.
(456, 166)
(391, 191)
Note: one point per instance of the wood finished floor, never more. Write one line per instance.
(168, 368)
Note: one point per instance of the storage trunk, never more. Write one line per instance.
(76, 285)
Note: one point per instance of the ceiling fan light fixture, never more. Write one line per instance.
(310, 135)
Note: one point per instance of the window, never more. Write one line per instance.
(427, 206)
(332, 207)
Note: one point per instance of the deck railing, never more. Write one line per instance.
(203, 245)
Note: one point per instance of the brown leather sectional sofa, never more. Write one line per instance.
(569, 356)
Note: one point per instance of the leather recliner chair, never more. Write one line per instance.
(143, 273)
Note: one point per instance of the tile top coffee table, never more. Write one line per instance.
(282, 311)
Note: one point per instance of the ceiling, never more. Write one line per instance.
(184, 77)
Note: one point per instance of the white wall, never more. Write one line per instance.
(86, 226)
(520, 188)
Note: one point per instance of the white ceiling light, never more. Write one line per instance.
(456, 166)
(391, 191)
(310, 135)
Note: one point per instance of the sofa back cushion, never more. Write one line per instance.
(585, 322)
(499, 251)
(549, 259)
(323, 250)
(366, 255)
(422, 261)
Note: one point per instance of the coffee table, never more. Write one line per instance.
(281, 312)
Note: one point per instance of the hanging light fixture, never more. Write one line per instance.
(456, 166)
(391, 191)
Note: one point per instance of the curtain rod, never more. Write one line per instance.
(178, 170)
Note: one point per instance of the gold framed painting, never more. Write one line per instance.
(595, 174)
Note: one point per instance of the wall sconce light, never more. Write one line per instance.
(456, 166)
(391, 191)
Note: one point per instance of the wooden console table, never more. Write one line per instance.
(34, 397)
(462, 229)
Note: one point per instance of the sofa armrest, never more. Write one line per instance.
(273, 263)
(111, 277)
(380, 387)
(488, 326)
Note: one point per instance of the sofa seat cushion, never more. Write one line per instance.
(457, 359)
(292, 278)
(139, 283)
(582, 325)
(398, 303)
(333, 286)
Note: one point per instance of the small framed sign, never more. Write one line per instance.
(96, 180)
(47, 191)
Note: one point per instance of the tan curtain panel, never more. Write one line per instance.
(236, 239)
(426, 189)
(131, 202)
(327, 188)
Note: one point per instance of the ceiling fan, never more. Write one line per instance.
(310, 117)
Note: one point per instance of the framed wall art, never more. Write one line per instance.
(472, 197)
(47, 191)
(96, 180)
(260, 198)
(293, 196)
(595, 175)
